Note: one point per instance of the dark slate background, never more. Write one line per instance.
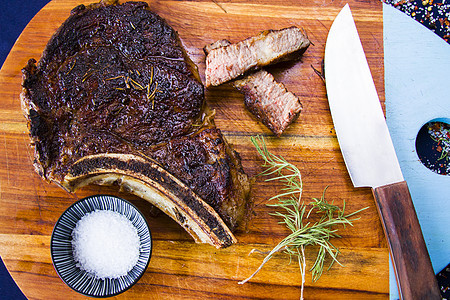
(14, 16)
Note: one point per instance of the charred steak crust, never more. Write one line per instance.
(115, 78)
(114, 69)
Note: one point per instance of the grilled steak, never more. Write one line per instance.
(115, 99)
(268, 100)
(229, 62)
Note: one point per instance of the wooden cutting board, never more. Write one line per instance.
(179, 268)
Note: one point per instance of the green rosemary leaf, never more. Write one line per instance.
(293, 213)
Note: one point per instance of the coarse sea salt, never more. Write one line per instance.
(106, 244)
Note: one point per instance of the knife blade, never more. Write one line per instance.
(370, 156)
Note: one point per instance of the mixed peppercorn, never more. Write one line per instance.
(434, 14)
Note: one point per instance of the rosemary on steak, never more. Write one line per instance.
(132, 83)
(295, 214)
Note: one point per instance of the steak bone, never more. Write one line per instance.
(146, 179)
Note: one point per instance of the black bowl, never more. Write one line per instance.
(62, 253)
(430, 151)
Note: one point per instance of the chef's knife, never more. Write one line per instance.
(370, 157)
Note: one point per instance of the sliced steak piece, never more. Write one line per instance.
(229, 62)
(115, 81)
(268, 100)
(217, 44)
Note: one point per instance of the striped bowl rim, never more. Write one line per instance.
(62, 253)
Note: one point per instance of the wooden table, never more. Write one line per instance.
(179, 268)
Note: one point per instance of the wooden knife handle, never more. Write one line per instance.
(412, 264)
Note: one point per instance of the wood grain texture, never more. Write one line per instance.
(179, 268)
(412, 264)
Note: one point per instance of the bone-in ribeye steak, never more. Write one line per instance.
(114, 99)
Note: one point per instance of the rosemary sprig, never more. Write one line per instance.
(295, 215)
(71, 68)
(88, 74)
